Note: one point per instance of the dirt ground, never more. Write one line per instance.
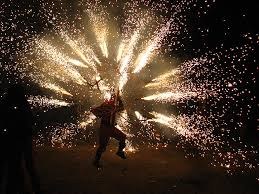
(148, 171)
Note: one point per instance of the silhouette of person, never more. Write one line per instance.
(3, 156)
(17, 121)
(107, 112)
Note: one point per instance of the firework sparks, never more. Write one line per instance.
(126, 53)
(100, 30)
(39, 101)
(153, 45)
(166, 75)
(51, 53)
(88, 58)
(89, 119)
(55, 88)
(84, 60)
(178, 124)
(170, 96)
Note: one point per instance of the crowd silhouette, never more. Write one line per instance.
(17, 153)
(16, 133)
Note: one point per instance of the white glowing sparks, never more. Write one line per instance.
(165, 80)
(88, 57)
(82, 60)
(153, 45)
(178, 124)
(123, 80)
(40, 101)
(167, 75)
(125, 54)
(107, 95)
(170, 96)
(60, 59)
(89, 119)
(56, 88)
(139, 116)
(101, 32)
(130, 148)
(123, 123)
(76, 63)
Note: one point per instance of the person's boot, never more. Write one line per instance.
(121, 154)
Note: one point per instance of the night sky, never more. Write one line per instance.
(225, 23)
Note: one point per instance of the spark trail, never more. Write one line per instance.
(87, 53)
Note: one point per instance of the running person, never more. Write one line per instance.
(107, 112)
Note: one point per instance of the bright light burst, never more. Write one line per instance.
(82, 56)
(44, 102)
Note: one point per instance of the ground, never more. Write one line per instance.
(148, 171)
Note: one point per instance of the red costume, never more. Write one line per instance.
(107, 112)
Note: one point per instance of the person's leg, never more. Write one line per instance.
(30, 166)
(4, 169)
(14, 171)
(3, 164)
(103, 142)
(121, 137)
(99, 151)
